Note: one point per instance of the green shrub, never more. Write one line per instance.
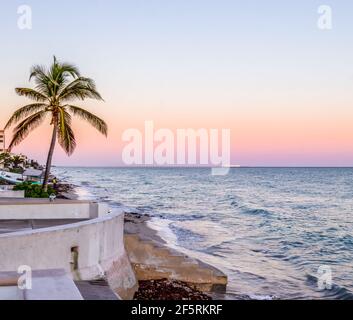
(34, 190)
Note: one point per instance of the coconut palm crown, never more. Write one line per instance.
(55, 90)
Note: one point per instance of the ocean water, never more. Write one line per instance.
(268, 229)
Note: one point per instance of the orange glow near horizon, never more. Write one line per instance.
(269, 139)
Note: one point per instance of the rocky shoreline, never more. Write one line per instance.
(66, 191)
(170, 290)
(160, 267)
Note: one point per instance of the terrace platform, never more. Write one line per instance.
(46, 285)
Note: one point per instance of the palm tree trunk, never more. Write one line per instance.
(50, 158)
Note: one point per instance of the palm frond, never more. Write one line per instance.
(70, 69)
(43, 81)
(56, 75)
(37, 71)
(25, 112)
(60, 74)
(31, 94)
(64, 68)
(50, 82)
(25, 127)
(95, 121)
(66, 135)
(81, 88)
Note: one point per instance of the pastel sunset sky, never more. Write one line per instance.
(261, 68)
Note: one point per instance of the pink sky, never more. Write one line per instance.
(274, 137)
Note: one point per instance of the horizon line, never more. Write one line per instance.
(207, 167)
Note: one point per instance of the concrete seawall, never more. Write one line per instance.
(85, 250)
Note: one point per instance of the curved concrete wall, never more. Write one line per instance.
(43, 209)
(97, 245)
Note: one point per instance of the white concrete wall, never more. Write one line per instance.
(99, 241)
(100, 245)
(6, 187)
(12, 194)
(46, 210)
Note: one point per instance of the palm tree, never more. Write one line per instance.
(55, 89)
(17, 160)
(5, 159)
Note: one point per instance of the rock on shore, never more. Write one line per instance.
(169, 290)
